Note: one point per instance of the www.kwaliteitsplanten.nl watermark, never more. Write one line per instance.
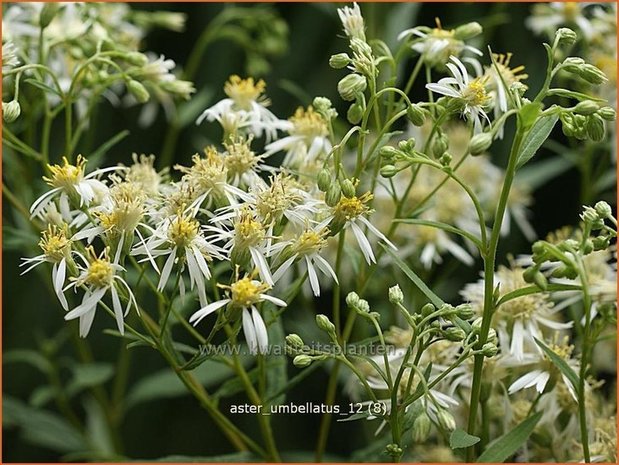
(314, 347)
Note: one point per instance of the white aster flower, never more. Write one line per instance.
(69, 182)
(547, 18)
(245, 294)
(9, 56)
(470, 92)
(352, 21)
(244, 111)
(98, 275)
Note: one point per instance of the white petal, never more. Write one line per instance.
(167, 269)
(250, 332)
(313, 278)
(261, 331)
(261, 263)
(59, 282)
(118, 311)
(363, 242)
(206, 311)
(88, 302)
(273, 300)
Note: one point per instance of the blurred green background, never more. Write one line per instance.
(174, 424)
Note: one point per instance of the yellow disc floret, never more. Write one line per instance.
(183, 230)
(67, 175)
(244, 91)
(246, 292)
(308, 123)
(55, 244)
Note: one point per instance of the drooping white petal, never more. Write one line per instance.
(206, 311)
(167, 269)
(261, 331)
(118, 310)
(250, 332)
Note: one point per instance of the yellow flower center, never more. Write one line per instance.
(244, 91)
(308, 123)
(311, 242)
(475, 93)
(144, 174)
(66, 175)
(128, 200)
(55, 244)
(246, 292)
(183, 230)
(349, 208)
(249, 232)
(208, 172)
(274, 201)
(100, 273)
(240, 158)
(571, 10)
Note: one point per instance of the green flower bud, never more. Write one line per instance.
(454, 334)
(600, 243)
(468, 31)
(416, 115)
(136, 89)
(479, 143)
(446, 420)
(301, 361)
(565, 36)
(352, 299)
(294, 341)
(465, 311)
(362, 306)
(607, 113)
(354, 113)
(421, 428)
(489, 350)
(588, 247)
(333, 195)
(323, 322)
(440, 145)
(324, 180)
(476, 325)
(589, 215)
(492, 336)
(136, 58)
(393, 450)
(572, 64)
(388, 152)
(48, 13)
(586, 107)
(592, 74)
(324, 107)
(350, 86)
(603, 209)
(427, 309)
(339, 61)
(11, 111)
(396, 296)
(595, 127)
(407, 145)
(445, 159)
(348, 188)
(389, 171)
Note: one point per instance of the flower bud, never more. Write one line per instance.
(350, 86)
(396, 296)
(492, 336)
(428, 309)
(465, 311)
(479, 143)
(476, 325)
(454, 334)
(600, 242)
(354, 113)
(592, 74)
(138, 90)
(389, 171)
(421, 428)
(362, 306)
(565, 36)
(323, 322)
(11, 111)
(607, 113)
(440, 145)
(348, 188)
(352, 299)
(301, 361)
(445, 159)
(446, 420)
(572, 64)
(388, 152)
(136, 58)
(333, 195)
(468, 31)
(595, 127)
(48, 13)
(489, 350)
(603, 209)
(294, 341)
(587, 246)
(339, 61)
(407, 145)
(416, 115)
(324, 180)
(586, 107)
(324, 107)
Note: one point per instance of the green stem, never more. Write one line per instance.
(489, 267)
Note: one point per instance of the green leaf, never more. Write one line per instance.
(460, 439)
(528, 114)
(42, 86)
(561, 364)
(277, 368)
(41, 396)
(539, 173)
(507, 445)
(30, 357)
(88, 375)
(536, 137)
(436, 300)
(97, 431)
(444, 226)
(575, 95)
(96, 157)
(40, 427)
